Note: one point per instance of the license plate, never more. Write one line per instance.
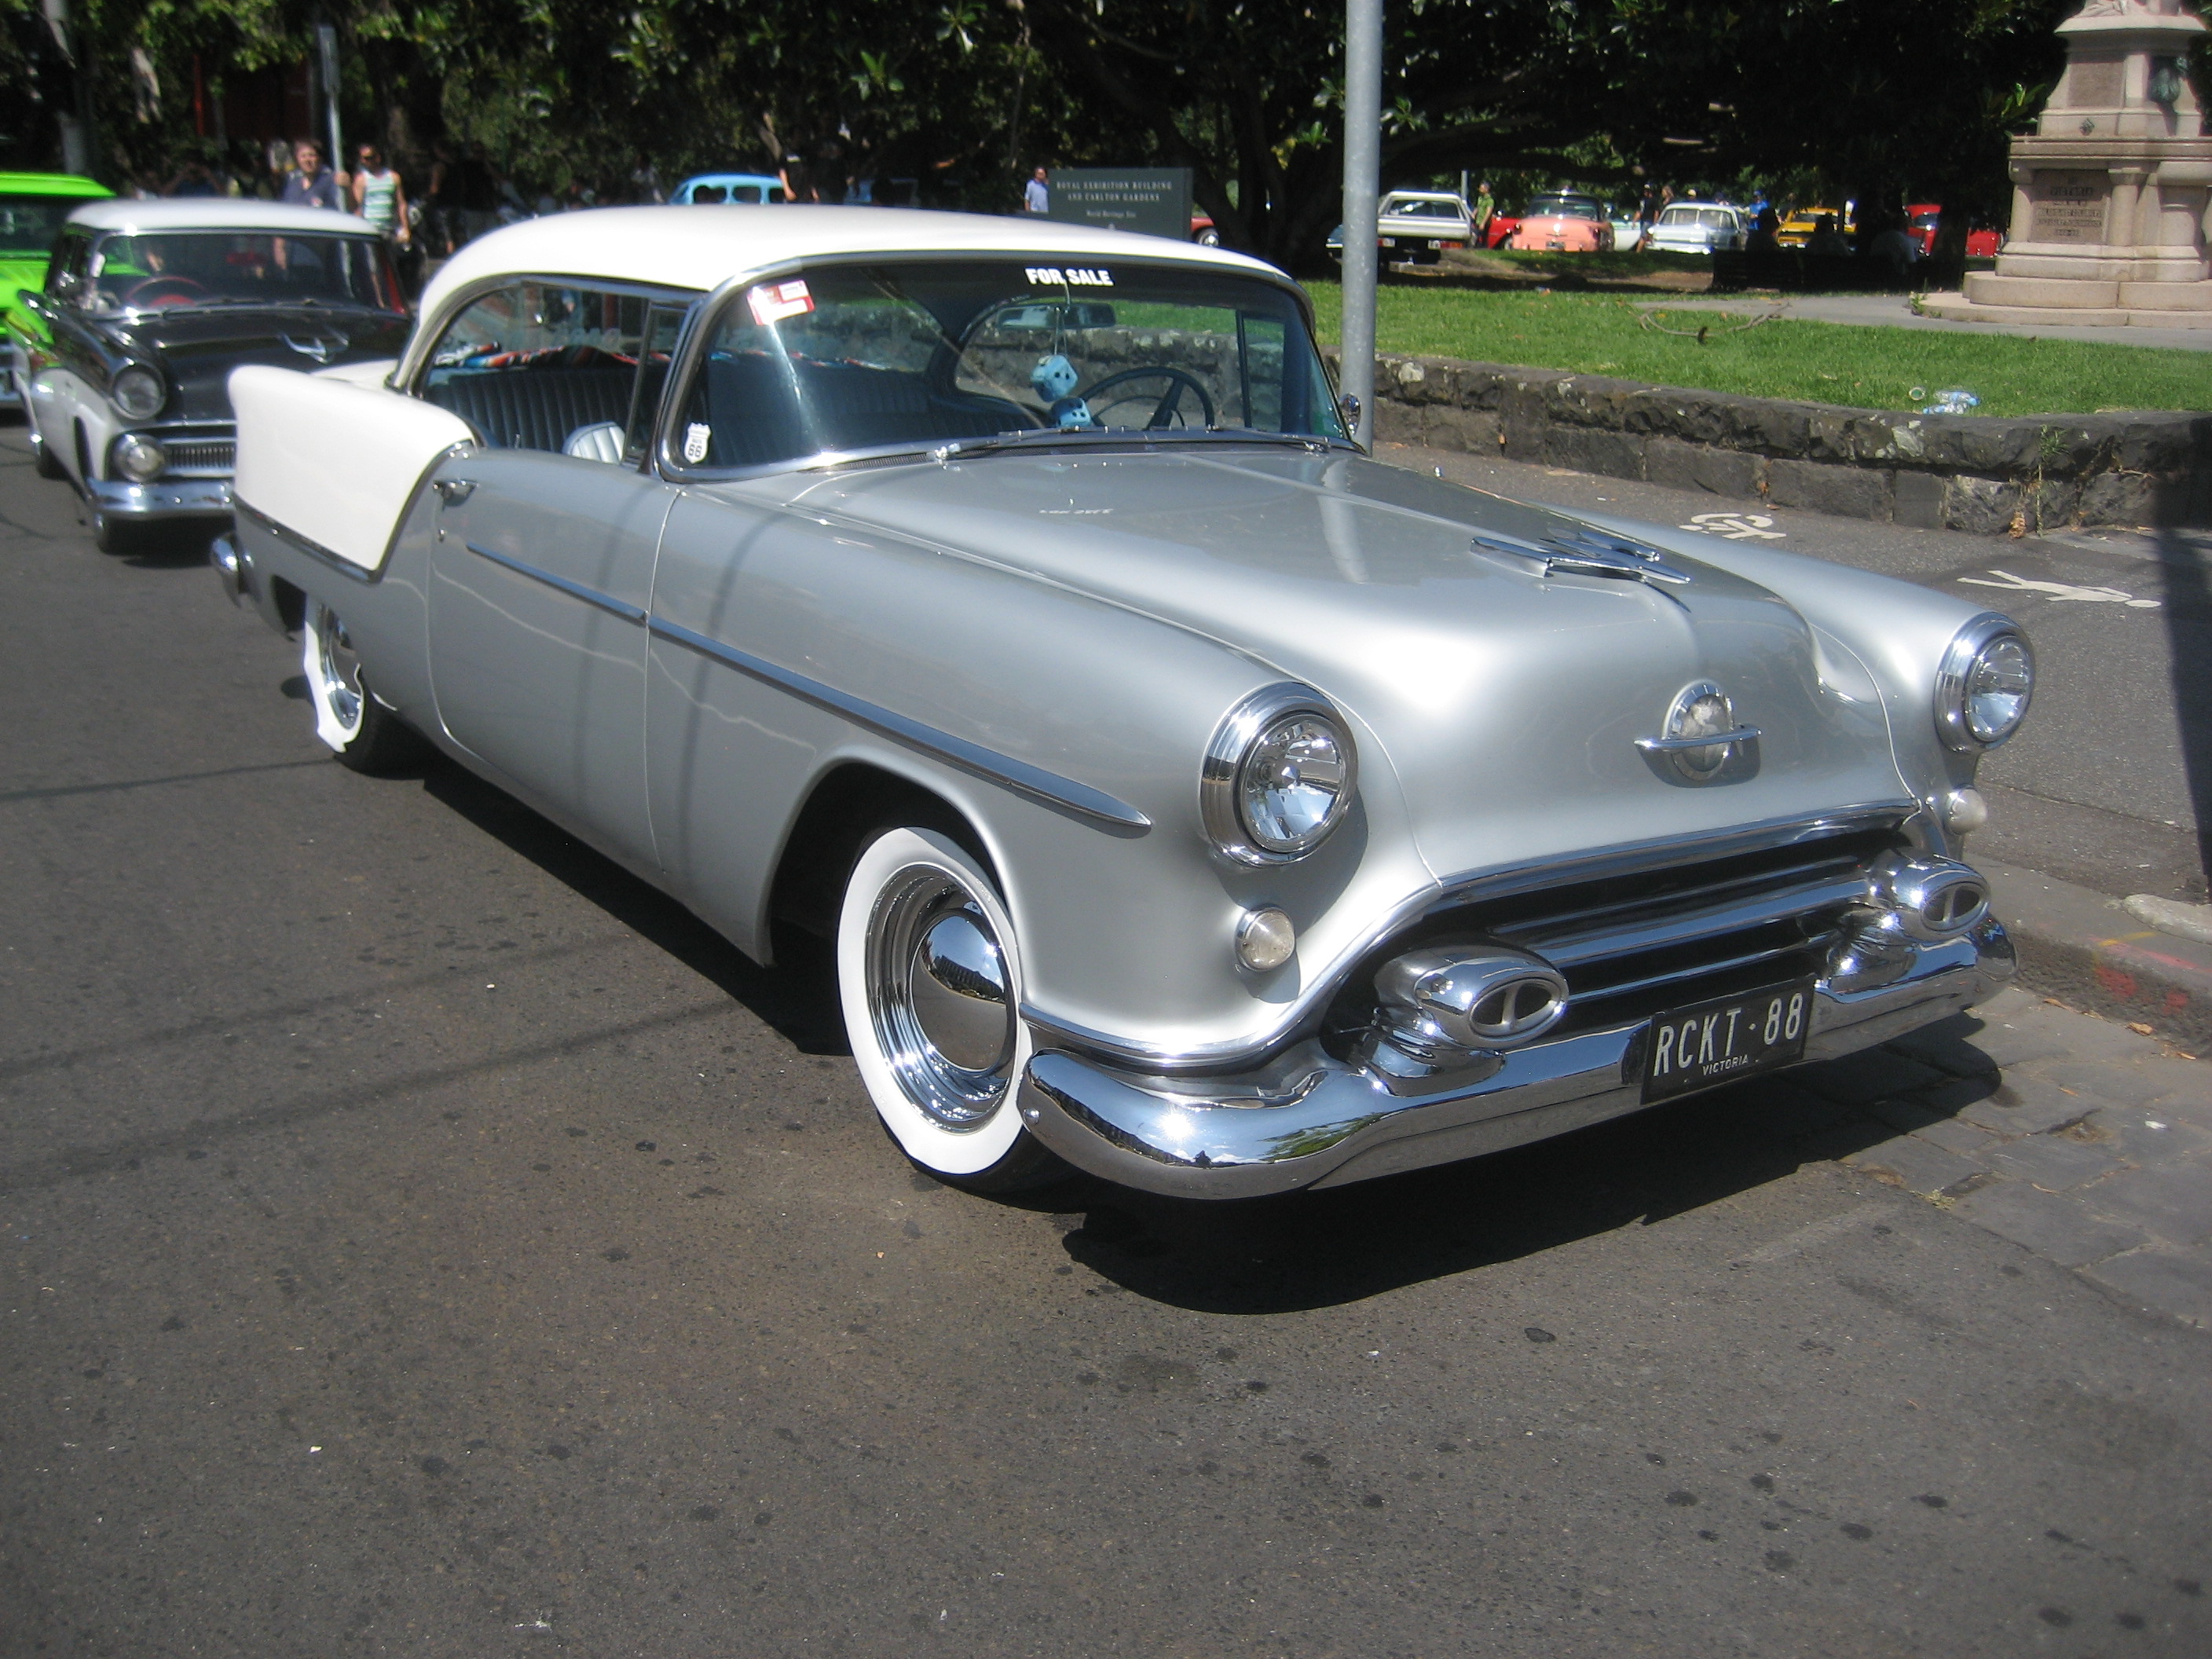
(1389, 241)
(1727, 1038)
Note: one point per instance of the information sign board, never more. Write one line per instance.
(1154, 201)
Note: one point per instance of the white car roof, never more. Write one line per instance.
(701, 247)
(214, 213)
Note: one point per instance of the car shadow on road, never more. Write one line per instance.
(797, 998)
(1324, 1249)
(2188, 615)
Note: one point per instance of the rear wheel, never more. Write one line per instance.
(362, 732)
(929, 978)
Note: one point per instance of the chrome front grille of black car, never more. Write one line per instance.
(1632, 946)
(191, 458)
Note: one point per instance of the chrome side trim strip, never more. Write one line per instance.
(591, 596)
(1626, 859)
(298, 544)
(1018, 776)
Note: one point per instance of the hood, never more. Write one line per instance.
(197, 348)
(1506, 702)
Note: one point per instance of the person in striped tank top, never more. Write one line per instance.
(379, 196)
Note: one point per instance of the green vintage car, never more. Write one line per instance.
(33, 206)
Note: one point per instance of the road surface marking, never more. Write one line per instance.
(2057, 590)
(1735, 526)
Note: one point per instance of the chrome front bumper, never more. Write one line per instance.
(165, 498)
(1309, 1120)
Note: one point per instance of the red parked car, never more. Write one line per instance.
(1981, 244)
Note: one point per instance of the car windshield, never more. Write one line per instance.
(177, 269)
(844, 358)
(28, 224)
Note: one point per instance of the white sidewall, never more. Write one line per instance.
(328, 726)
(927, 1142)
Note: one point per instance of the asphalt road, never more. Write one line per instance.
(2109, 784)
(422, 1237)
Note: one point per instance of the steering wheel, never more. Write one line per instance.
(165, 291)
(1169, 399)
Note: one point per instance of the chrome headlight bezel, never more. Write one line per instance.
(140, 458)
(1235, 742)
(138, 391)
(1969, 646)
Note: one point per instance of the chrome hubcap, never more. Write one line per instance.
(338, 666)
(938, 992)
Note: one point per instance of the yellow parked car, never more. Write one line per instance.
(1797, 230)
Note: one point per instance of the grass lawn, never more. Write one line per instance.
(1823, 362)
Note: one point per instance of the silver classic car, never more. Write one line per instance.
(1186, 795)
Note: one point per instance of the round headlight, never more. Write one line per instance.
(1983, 689)
(139, 393)
(139, 458)
(1280, 776)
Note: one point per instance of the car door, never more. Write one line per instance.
(541, 573)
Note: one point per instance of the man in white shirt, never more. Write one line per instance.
(1037, 198)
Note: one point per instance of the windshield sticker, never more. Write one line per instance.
(774, 301)
(1053, 277)
(696, 436)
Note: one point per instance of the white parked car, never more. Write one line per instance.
(1699, 228)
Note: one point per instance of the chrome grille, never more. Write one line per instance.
(205, 457)
(1632, 946)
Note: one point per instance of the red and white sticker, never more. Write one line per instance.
(774, 301)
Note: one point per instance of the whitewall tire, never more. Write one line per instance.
(360, 731)
(929, 978)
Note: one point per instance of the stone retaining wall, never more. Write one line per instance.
(1974, 473)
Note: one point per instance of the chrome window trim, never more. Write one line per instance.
(591, 596)
(1018, 776)
(1978, 634)
(668, 460)
(406, 377)
(1232, 740)
(1503, 881)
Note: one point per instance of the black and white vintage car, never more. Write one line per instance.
(150, 305)
(1184, 792)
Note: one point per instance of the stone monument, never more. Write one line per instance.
(2110, 193)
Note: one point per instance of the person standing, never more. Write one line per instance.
(310, 183)
(1482, 209)
(379, 196)
(1037, 194)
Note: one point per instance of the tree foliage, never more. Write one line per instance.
(1875, 97)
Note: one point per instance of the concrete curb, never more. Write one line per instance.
(2086, 950)
(1979, 474)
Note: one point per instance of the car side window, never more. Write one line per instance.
(544, 364)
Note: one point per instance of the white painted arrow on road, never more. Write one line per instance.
(2058, 591)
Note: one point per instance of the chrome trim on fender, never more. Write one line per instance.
(989, 764)
(298, 544)
(1337, 1123)
(591, 596)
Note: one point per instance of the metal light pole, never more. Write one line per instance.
(326, 41)
(1363, 161)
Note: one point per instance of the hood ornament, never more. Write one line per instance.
(1700, 735)
(321, 347)
(1584, 552)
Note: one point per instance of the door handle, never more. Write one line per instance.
(454, 491)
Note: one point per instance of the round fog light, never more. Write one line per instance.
(1964, 811)
(140, 458)
(1265, 939)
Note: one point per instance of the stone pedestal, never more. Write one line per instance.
(2111, 194)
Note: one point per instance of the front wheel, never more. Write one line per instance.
(929, 978)
(362, 732)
